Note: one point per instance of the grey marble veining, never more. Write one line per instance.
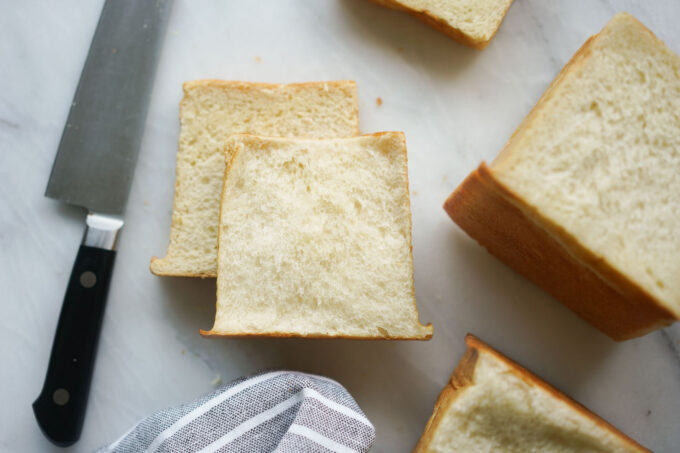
(457, 107)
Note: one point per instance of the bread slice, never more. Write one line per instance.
(470, 22)
(212, 110)
(584, 199)
(315, 240)
(493, 404)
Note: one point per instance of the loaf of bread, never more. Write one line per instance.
(212, 110)
(315, 240)
(470, 22)
(492, 404)
(584, 199)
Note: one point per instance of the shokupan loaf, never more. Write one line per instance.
(315, 240)
(212, 110)
(584, 199)
(491, 404)
(470, 22)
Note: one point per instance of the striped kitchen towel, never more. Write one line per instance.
(278, 411)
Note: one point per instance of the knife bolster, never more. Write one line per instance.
(102, 230)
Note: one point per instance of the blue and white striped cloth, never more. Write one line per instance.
(278, 411)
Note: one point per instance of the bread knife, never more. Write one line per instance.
(93, 169)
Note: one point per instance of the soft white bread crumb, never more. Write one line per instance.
(211, 111)
(494, 405)
(315, 239)
(601, 157)
(471, 22)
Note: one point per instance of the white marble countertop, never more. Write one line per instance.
(457, 106)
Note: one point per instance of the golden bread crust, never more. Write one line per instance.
(213, 334)
(548, 256)
(156, 270)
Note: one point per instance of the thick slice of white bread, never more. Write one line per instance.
(492, 404)
(584, 199)
(470, 22)
(315, 240)
(211, 111)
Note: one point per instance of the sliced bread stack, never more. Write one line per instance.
(584, 199)
(493, 404)
(314, 235)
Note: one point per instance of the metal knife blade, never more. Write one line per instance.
(96, 158)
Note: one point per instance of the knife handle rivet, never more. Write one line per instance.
(61, 397)
(88, 279)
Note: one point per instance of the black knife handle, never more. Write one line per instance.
(60, 408)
